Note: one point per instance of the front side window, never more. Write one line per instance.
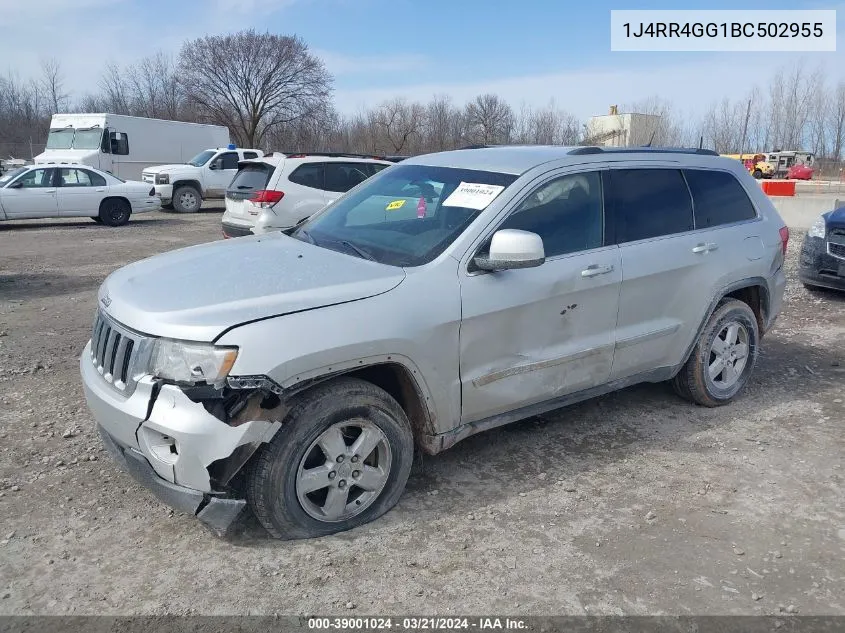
(405, 216)
(566, 212)
(718, 198)
(36, 178)
(229, 160)
(649, 203)
(74, 178)
(120, 143)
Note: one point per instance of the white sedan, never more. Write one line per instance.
(72, 190)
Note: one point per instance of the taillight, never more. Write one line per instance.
(784, 238)
(266, 198)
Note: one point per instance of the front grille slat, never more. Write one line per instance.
(837, 250)
(126, 359)
(116, 352)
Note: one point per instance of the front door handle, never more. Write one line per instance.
(100, 190)
(705, 248)
(595, 269)
(49, 191)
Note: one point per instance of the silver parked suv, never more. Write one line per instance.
(446, 295)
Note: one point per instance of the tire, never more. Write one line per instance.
(281, 482)
(732, 320)
(114, 212)
(97, 219)
(186, 199)
(757, 174)
(167, 207)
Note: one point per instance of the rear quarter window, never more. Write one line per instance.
(308, 175)
(718, 198)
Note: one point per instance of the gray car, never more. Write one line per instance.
(298, 372)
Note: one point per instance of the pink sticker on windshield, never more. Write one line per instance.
(421, 208)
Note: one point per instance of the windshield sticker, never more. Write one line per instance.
(421, 208)
(396, 204)
(471, 195)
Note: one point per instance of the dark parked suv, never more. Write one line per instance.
(823, 252)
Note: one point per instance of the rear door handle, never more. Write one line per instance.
(100, 190)
(704, 248)
(595, 269)
(49, 191)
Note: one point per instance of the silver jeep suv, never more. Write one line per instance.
(298, 372)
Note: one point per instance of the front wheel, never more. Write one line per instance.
(723, 358)
(757, 174)
(114, 212)
(341, 459)
(186, 199)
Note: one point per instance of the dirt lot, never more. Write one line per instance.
(633, 503)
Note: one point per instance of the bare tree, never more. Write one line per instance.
(400, 122)
(490, 119)
(252, 82)
(114, 89)
(52, 83)
(837, 121)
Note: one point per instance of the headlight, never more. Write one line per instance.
(191, 362)
(818, 228)
(162, 179)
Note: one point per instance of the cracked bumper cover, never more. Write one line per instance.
(170, 450)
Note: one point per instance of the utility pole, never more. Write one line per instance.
(745, 129)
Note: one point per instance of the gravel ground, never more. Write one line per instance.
(633, 503)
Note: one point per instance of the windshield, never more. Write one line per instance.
(60, 139)
(68, 138)
(202, 158)
(11, 175)
(406, 215)
(88, 139)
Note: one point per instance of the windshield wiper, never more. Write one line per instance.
(306, 235)
(357, 249)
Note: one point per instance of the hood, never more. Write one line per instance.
(65, 155)
(158, 169)
(198, 292)
(836, 217)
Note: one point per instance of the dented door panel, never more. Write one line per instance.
(535, 334)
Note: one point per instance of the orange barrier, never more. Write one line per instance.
(779, 187)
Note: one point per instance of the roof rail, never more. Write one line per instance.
(331, 155)
(648, 150)
(477, 147)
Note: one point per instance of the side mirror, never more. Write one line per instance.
(512, 248)
(16, 185)
(215, 164)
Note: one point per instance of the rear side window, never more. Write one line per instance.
(718, 198)
(308, 175)
(649, 203)
(96, 179)
(250, 178)
(248, 155)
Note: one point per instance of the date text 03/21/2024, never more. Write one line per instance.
(416, 624)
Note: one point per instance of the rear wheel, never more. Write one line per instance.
(341, 459)
(723, 358)
(114, 212)
(186, 199)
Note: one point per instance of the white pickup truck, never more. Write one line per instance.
(206, 175)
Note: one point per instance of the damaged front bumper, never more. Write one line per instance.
(174, 445)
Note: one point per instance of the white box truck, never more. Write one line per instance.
(125, 145)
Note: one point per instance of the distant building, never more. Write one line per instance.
(621, 130)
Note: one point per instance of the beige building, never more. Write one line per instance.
(621, 130)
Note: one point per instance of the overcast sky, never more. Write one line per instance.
(530, 51)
